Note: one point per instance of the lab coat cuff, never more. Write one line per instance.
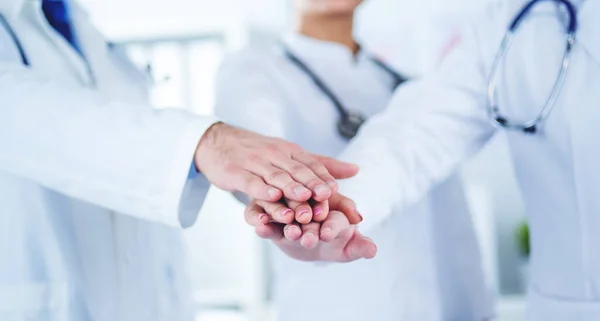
(374, 188)
(193, 173)
(189, 192)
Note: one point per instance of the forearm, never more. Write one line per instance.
(429, 128)
(130, 159)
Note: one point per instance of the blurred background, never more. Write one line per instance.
(181, 43)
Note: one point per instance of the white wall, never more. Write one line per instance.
(133, 18)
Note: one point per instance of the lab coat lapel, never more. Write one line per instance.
(11, 8)
(76, 61)
(589, 28)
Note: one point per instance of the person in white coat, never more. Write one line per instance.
(428, 263)
(95, 184)
(551, 118)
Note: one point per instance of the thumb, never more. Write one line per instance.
(337, 169)
(345, 205)
(360, 247)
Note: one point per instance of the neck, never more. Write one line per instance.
(332, 29)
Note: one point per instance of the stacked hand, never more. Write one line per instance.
(266, 168)
(324, 231)
(296, 201)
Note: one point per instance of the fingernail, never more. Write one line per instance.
(332, 184)
(273, 192)
(303, 214)
(291, 228)
(301, 191)
(322, 190)
(360, 216)
(326, 230)
(318, 211)
(287, 212)
(261, 217)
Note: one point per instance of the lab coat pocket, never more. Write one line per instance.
(33, 301)
(545, 307)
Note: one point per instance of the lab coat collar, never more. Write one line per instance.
(589, 24)
(12, 8)
(314, 50)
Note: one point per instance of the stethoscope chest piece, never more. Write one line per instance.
(350, 123)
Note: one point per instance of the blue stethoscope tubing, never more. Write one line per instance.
(532, 126)
(350, 121)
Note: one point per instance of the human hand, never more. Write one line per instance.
(266, 168)
(334, 239)
(288, 211)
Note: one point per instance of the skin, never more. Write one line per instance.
(266, 168)
(333, 240)
(327, 20)
(322, 230)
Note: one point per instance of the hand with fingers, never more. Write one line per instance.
(266, 168)
(312, 233)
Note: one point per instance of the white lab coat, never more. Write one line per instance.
(93, 182)
(427, 267)
(433, 124)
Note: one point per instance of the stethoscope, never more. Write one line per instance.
(114, 49)
(532, 126)
(350, 120)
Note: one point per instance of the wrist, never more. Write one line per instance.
(206, 142)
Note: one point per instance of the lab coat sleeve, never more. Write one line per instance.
(430, 126)
(129, 159)
(247, 96)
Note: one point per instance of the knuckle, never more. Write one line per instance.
(315, 182)
(289, 186)
(346, 202)
(294, 148)
(248, 182)
(276, 175)
(316, 167)
(274, 147)
(298, 169)
(231, 168)
(255, 157)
